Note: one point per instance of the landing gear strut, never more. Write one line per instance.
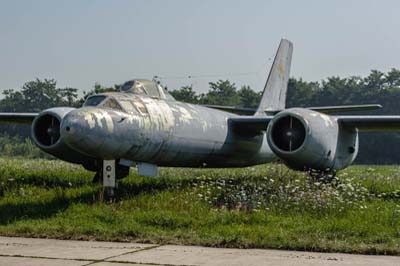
(109, 178)
(108, 174)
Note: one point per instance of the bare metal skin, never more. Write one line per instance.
(170, 133)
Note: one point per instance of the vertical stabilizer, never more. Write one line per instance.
(274, 94)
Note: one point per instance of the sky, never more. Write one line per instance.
(81, 42)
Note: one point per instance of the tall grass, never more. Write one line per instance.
(266, 206)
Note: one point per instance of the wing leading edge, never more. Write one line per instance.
(17, 118)
(250, 125)
(323, 109)
(371, 122)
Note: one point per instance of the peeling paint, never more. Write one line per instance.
(165, 133)
(89, 119)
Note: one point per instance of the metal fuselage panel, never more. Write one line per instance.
(173, 133)
(162, 132)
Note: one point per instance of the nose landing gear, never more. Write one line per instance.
(109, 178)
(108, 175)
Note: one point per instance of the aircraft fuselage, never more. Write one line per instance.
(162, 132)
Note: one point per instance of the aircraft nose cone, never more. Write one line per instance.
(97, 133)
(71, 126)
(78, 131)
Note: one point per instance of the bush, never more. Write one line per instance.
(16, 146)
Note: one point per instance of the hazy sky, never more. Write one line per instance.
(80, 42)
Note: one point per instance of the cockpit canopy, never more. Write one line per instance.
(104, 101)
(125, 100)
(146, 87)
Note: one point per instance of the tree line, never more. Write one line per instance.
(376, 87)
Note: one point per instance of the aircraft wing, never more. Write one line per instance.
(345, 108)
(233, 109)
(323, 109)
(17, 118)
(371, 122)
(249, 125)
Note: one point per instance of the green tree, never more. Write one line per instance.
(34, 96)
(222, 92)
(37, 95)
(185, 94)
(301, 93)
(248, 97)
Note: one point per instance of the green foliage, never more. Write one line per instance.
(17, 146)
(248, 97)
(222, 92)
(185, 94)
(37, 95)
(266, 206)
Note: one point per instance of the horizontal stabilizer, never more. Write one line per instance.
(17, 118)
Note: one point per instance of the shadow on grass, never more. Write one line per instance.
(11, 212)
(46, 182)
(41, 209)
(134, 186)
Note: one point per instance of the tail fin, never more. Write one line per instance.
(274, 94)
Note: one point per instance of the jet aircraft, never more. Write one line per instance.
(144, 126)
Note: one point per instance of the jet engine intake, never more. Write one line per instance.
(46, 135)
(304, 139)
(46, 129)
(288, 133)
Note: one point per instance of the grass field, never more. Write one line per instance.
(266, 206)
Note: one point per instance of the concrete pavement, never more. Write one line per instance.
(43, 252)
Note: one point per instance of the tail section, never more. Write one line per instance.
(274, 94)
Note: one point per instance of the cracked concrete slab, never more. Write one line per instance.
(18, 261)
(65, 249)
(122, 264)
(191, 255)
(25, 251)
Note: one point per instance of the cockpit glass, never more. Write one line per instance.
(139, 89)
(112, 104)
(142, 87)
(152, 89)
(127, 85)
(94, 100)
(128, 106)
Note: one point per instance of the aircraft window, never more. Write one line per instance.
(94, 100)
(140, 106)
(128, 106)
(139, 89)
(152, 89)
(112, 104)
(127, 85)
(166, 93)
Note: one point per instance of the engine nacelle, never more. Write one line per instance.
(306, 139)
(46, 135)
